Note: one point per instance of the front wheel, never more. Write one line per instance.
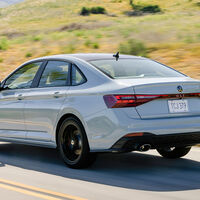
(73, 144)
(175, 152)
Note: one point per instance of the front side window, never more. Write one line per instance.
(55, 74)
(77, 77)
(23, 77)
(134, 68)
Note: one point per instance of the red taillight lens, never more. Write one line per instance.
(120, 101)
(134, 134)
(141, 99)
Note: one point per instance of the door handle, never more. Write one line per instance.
(20, 97)
(56, 94)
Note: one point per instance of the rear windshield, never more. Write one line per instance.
(134, 68)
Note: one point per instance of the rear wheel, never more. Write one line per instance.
(175, 152)
(73, 144)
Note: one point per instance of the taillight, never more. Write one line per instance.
(133, 100)
(120, 101)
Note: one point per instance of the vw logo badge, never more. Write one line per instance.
(179, 88)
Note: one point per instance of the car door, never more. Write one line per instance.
(44, 102)
(12, 103)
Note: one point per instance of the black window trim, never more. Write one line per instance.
(38, 74)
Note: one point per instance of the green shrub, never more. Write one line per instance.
(1, 60)
(95, 45)
(151, 9)
(133, 47)
(87, 43)
(79, 33)
(36, 38)
(99, 35)
(94, 10)
(145, 8)
(3, 44)
(198, 4)
(97, 10)
(28, 54)
(85, 11)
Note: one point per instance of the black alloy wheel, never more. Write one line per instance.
(73, 144)
(174, 152)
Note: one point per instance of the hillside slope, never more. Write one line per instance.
(43, 27)
(4, 3)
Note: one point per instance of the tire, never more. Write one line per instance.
(73, 144)
(173, 153)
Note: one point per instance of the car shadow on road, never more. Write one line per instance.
(131, 170)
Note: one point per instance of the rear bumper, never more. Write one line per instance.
(106, 128)
(126, 144)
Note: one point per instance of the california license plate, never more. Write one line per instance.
(178, 106)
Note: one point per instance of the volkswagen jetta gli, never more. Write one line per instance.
(88, 103)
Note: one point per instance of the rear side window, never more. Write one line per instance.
(77, 76)
(55, 74)
(134, 68)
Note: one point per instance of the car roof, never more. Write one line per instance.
(99, 56)
(86, 56)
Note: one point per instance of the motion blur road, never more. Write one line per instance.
(31, 173)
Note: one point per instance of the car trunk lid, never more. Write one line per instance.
(168, 97)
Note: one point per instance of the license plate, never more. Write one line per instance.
(178, 106)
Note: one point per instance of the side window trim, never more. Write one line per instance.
(40, 72)
(81, 73)
(20, 67)
(41, 69)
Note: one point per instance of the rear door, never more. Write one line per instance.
(43, 103)
(12, 101)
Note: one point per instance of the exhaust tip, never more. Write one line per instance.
(144, 147)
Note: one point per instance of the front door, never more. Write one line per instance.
(12, 103)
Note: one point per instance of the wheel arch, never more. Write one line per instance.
(65, 116)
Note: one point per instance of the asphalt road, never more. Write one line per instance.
(32, 173)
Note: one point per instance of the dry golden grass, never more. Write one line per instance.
(45, 27)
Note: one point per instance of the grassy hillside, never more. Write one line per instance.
(44, 27)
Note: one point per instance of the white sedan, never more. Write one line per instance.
(84, 104)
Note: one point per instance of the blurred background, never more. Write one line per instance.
(167, 31)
